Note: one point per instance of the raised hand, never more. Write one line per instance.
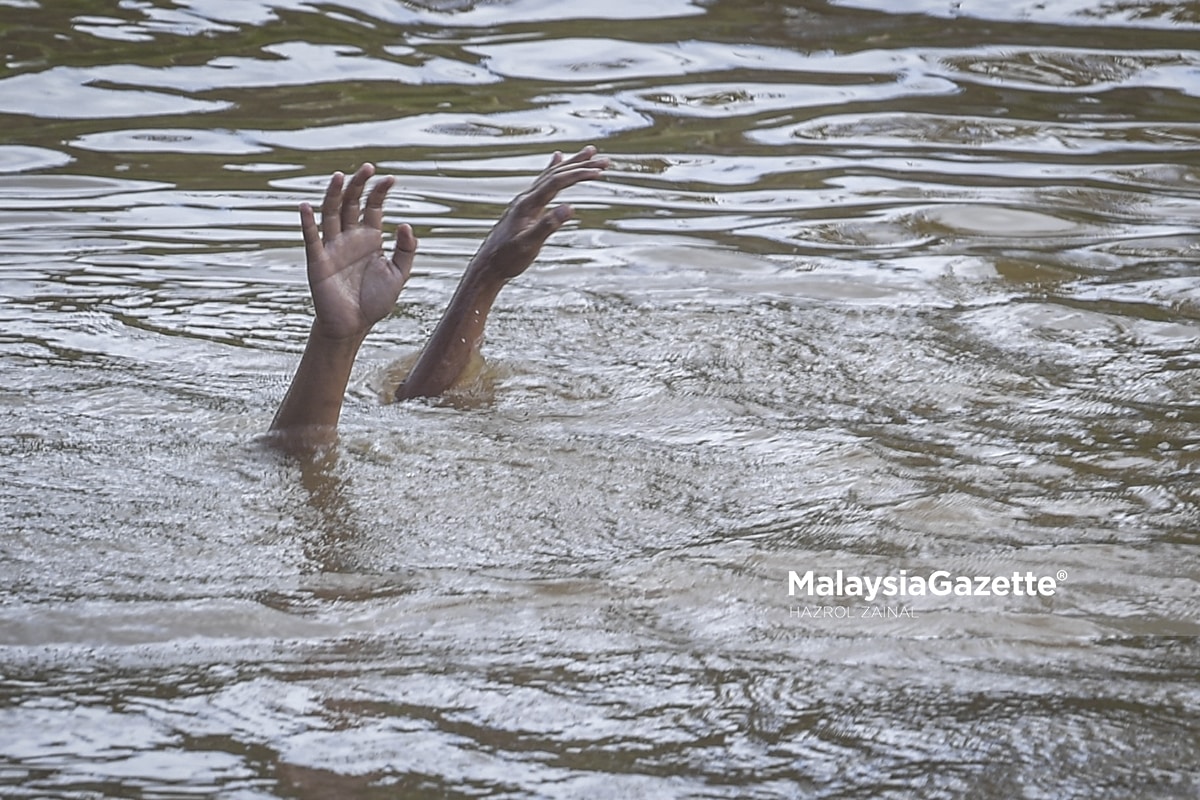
(507, 251)
(517, 238)
(353, 283)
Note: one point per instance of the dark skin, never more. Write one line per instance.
(354, 284)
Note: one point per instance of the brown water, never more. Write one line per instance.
(872, 286)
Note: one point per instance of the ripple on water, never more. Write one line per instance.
(552, 120)
(68, 93)
(169, 140)
(1083, 13)
(51, 190)
(19, 158)
(147, 23)
(719, 100)
(1016, 224)
(1074, 70)
(985, 136)
(293, 64)
(598, 59)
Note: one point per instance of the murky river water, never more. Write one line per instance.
(885, 288)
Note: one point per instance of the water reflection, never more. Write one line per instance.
(871, 287)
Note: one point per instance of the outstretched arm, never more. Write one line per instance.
(507, 251)
(354, 285)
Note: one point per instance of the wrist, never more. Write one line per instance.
(332, 340)
(481, 276)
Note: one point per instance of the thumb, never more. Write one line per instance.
(405, 250)
(314, 250)
(550, 221)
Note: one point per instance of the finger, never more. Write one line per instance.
(549, 222)
(555, 160)
(313, 249)
(330, 224)
(547, 187)
(353, 194)
(373, 215)
(406, 240)
(595, 162)
(406, 249)
(586, 154)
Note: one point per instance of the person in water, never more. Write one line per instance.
(354, 284)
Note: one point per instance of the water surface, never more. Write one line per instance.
(872, 286)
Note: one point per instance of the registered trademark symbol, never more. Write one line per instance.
(1062, 575)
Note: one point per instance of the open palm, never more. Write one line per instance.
(354, 284)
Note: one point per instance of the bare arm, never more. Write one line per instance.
(507, 251)
(354, 285)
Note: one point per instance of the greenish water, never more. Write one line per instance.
(873, 287)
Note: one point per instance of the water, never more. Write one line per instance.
(872, 286)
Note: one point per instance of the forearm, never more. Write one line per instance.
(508, 250)
(313, 402)
(457, 336)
